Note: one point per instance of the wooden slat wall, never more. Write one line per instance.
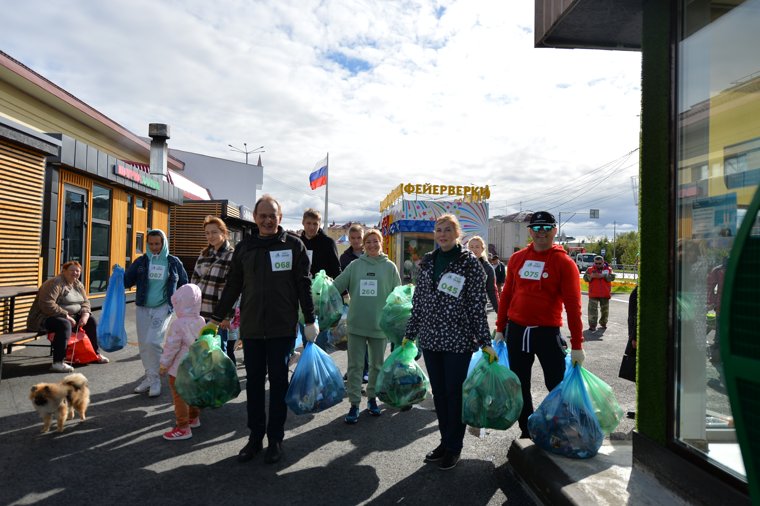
(161, 216)
(186, 237)
(119, 227)
(22, 183)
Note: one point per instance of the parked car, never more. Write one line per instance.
(584, 261)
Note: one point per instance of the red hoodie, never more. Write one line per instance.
(536, 286)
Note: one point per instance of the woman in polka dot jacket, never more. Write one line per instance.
(449, 323)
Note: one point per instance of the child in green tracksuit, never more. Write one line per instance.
(369, 280)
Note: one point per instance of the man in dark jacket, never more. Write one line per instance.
(355, 236)
(322, 251)
(270, 269)
(500, 270)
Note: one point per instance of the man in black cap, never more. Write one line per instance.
(541, 278)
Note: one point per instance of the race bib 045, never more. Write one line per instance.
(451, 284)
(281, 260)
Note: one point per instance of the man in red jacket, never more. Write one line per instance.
(540, 278)
(599, 278)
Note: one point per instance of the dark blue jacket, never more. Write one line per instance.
(137, 274)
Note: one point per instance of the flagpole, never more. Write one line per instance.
(327, 164)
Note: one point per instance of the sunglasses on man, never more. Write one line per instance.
(538, 228)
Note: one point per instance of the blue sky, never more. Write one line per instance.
(411, 91)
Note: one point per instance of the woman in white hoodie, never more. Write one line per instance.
(182, 333)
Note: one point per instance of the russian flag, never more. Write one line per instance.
(319, 176)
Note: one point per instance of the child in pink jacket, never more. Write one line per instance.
(182, 332)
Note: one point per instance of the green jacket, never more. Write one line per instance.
(369, 281)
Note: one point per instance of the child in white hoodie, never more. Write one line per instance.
(183, 332)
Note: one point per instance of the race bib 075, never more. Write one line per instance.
(532, 270)
(281, 260)
(451, 284)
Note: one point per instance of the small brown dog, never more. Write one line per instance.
(61, 399)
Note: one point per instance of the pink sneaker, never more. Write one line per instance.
(195, 423)
(177, 434)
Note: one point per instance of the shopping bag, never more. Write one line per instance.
(565, 422)
(112, 335)
(401, 382)
(206, 377)
(491, 396)
(396, 313)
(316, 383)
(79, 349)
(606, 407)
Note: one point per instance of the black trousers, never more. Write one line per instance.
(62, 328)
(447, 372)
(267, 357)
(524, 344)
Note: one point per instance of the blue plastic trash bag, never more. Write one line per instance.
(112, 335)
(401, 382)
(474, 361)
(502, 353)
(206, 377)
(565, 422)
(606, 407)
(491, 396)
(316, 383)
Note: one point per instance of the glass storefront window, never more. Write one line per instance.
(100, 239)
(718, 170)
(414, 247)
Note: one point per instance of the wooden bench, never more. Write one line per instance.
(11, 337)
(7, 341)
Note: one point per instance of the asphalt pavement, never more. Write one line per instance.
(117, 455)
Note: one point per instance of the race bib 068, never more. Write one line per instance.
(281, 260)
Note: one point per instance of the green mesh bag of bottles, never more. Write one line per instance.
(401, 382)
(396, 313)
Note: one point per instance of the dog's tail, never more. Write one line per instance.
(77, 381)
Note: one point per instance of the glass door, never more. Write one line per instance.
(74, 225)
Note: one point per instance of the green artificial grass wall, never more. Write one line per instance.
(655, 221)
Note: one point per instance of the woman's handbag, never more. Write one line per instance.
(79, 349)
(628, 365)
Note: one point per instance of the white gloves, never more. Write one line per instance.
(577, 357)
(310, 332)
(499, 336)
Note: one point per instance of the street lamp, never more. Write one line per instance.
(247, 151)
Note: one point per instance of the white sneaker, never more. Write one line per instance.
(155, 388)
(102, 359)
(61, 367)
(144, 386)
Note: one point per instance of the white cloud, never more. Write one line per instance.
(464, 98)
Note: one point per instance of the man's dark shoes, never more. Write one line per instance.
(524, 435)
(449, 461)
(435, 455)
(249, 450)
(273, 453)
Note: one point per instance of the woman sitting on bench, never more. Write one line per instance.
(61, 305)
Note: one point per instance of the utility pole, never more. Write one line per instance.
(614, 242)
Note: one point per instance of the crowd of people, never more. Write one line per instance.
(267, 277)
